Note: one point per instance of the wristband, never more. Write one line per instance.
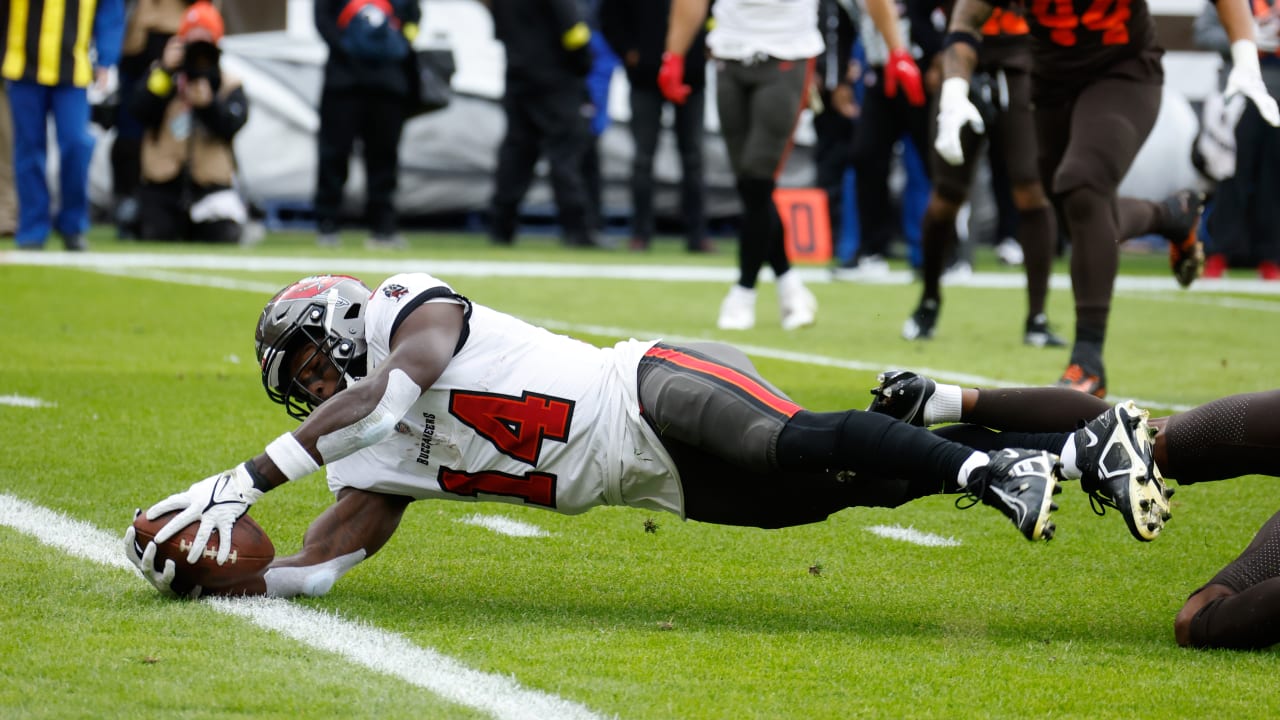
(260, 482)
(292, 459)
(961, 37)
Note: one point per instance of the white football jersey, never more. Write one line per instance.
(520, 415)
(784, 29)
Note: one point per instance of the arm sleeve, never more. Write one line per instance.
(108, 31)
(226, 115)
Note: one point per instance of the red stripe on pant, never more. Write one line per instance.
(728, 375)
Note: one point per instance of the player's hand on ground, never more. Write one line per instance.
(217, 502)
(954, 112)
(146, 564)
(902, 72)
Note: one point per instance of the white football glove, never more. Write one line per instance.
(954, 112)
(217, 502)
(146, 564)
(1246, 79)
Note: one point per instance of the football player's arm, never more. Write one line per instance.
(959, 58)
(685, 21)
(348, 532)
(900, 69)
(964, 37)
(366, 411)
(884, 15)
(1236, 19)
(1245, 77)
(357, 417)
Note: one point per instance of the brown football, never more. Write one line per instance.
(251, 552)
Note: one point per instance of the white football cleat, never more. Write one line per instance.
(738, 309)
(796, 304)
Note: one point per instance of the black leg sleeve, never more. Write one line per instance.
(1226, 438)
(873, 445)
(985, 439)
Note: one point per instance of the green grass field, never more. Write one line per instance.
(146, 382)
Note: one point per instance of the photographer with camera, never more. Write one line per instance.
(148, 27)
(191, 111)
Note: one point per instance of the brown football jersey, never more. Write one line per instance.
(1074, 41)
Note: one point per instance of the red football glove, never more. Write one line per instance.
(902, 70)
(671, 78)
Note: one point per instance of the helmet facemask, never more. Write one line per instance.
(320, 315)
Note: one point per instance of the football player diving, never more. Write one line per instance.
(412, 392)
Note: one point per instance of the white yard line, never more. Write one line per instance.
(21, 401)
(498, 695)
(626, 271)
(912, 535)
(504, 525)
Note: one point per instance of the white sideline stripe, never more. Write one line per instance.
(75, 537)
(624, 271)
(379, 650)
(21, 401)
(504, 525)
(912, 535)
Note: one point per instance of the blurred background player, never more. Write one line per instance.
(47, 66)
(893, 109)
(1096, 88)
(835, 107)
(190, 111)
(1002, 86)
(763, 51)
(1242, 219)
(637, 32)
(365, 96)
(603, 63)
(548, 57)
